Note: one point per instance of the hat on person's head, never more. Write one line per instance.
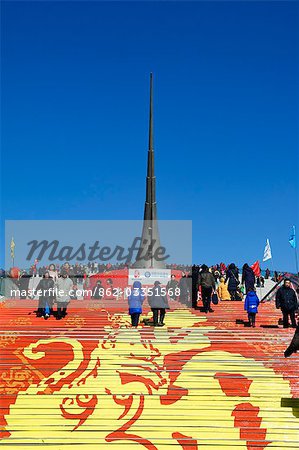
(156, 283)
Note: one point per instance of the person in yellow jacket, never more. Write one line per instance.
(222, 291)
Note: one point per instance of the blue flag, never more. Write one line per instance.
(292, 239)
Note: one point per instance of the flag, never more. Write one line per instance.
(267, 251)
(292, 239)
(12, 248)
(256, 268)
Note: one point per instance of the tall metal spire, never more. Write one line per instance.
(150, 209)
(151, 117)
(150, 240)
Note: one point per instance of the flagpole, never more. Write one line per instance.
(293, 243)
(296, 261)
(272, 263)
(272, 267)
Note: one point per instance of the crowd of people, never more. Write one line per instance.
(47, 296)
(80, 270)
(203, 283)
(225, 280)
(196, 286)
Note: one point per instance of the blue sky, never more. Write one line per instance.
(75, 85)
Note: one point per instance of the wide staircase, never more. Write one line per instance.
(203, 381)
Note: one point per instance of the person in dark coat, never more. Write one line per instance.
(68, 269)
(207, 282)
(286, 300)
(98, 291)
(110, 291)
(136, 299)
(158, 303)
(172, 287)
(2, 282)
(232, 276)
(248, 278)
(24, 284)
(46, 298)
(195, 273)
(294, 345)
(185, 289)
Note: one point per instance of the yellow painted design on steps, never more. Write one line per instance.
(126, 398)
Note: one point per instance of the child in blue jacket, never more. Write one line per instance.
(136, 298)
(251, 305)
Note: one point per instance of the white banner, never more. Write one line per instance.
(149, 276)
(267, 251)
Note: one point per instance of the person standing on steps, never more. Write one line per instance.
(286, 300)
(46, 297)
(64, 288)
(184, 289)
(248, 278)
(232, 276)
(195, 272)
(158, 303)
(171, 287)
(98, 291)
(53, 273)
(24, 284)
(207, 282)
(251, 306)
(222, 290)
(136, 299)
